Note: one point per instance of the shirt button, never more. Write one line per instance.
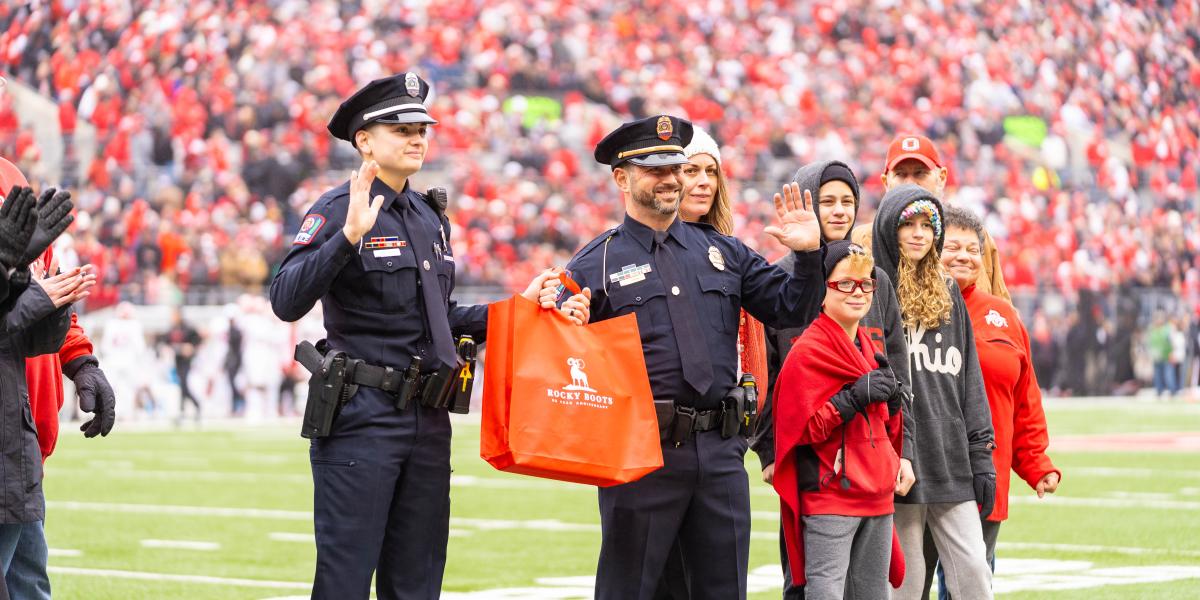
(426, 265)
(637, 299)
(675, 290)
(389, 263)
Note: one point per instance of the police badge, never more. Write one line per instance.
(715, 257)
(412, 84)
(664, 128)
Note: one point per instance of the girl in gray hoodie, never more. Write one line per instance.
(953, 440)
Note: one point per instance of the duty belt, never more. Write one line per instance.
(736, 415)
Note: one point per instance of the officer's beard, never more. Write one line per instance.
(651, 200)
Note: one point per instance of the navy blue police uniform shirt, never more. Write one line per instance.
(720, 274)
(372, 304)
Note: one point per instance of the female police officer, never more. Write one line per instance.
(376, 253)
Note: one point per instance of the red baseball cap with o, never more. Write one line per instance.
(907, 146)
(10, 177)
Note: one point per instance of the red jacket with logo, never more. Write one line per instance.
(45, 377)
(810, 437)
(1012, 392)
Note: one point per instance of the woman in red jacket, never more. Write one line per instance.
(837, 444)
(1012, 388)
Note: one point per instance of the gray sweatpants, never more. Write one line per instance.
(958, 536)
(847, 556)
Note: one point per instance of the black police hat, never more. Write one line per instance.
(395, 99)
(650, 142)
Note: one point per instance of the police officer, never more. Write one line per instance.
(376, 252)
(687, 283)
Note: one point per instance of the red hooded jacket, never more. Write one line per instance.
(810, 433)
(45, 377)
(1013, 395)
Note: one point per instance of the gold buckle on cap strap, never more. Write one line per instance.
(641, 151)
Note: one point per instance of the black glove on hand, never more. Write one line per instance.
(893, 402)
(985, 493)
(18, 221)
(95, 395)
(847, 403)
(54, 216)
(875, 386)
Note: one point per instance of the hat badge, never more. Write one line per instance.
(665, 129)
(910, 144)
(716, 258)
(412, 84)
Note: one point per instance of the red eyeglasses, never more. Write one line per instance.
(846, 286)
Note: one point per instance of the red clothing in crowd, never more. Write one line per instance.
(45, 377)
(810, 434)
(1013, 394)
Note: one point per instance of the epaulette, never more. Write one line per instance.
(592, 245)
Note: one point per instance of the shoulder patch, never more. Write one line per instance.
(308, 229)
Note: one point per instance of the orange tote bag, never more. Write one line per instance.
(566, 402)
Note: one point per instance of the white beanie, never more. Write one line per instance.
(702, 143)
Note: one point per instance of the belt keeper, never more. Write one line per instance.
(387, 383)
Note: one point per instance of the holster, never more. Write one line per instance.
(328, 387)
(740, 409)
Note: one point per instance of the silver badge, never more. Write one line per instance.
(412, 84)
(714, 257)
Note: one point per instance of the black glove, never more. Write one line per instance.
(876, 386)
(95, 395)
(18, 221)
(895, 401)
(847, 403)
(985, 493)
(54, 216)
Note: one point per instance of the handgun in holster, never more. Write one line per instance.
(408, 383)
(328, 390)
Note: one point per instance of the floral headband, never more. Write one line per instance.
(927, 208)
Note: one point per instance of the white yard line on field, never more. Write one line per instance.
(181, 545)
(186, 511)
(67, 552)
(1140, 503)
(203, 579)
(1093, 549)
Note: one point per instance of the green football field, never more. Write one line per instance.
(226, 513)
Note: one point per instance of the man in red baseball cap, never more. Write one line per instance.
(913, 158)
(26, 576)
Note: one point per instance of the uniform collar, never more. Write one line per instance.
(645, 235)
(390, 196)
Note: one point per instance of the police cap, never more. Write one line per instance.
(396, 99)
(651, 142)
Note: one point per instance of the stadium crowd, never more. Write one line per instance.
(1074, 128)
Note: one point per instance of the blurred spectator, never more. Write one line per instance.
(183, 341)
(1160, 343)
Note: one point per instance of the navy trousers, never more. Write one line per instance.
(701, 497)
(381, 501)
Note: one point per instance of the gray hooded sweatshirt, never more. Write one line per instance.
(953, 434)
(882, 322)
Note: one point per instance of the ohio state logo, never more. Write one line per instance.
(910, 144)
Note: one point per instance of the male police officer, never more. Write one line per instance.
(687, 283)
(377, 253)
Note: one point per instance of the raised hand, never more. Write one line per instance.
(18, 221)
(798, 227)
(54, 216)
(363, 210)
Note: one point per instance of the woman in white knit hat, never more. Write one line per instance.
(706, 200)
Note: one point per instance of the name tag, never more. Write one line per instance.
(387, 252)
